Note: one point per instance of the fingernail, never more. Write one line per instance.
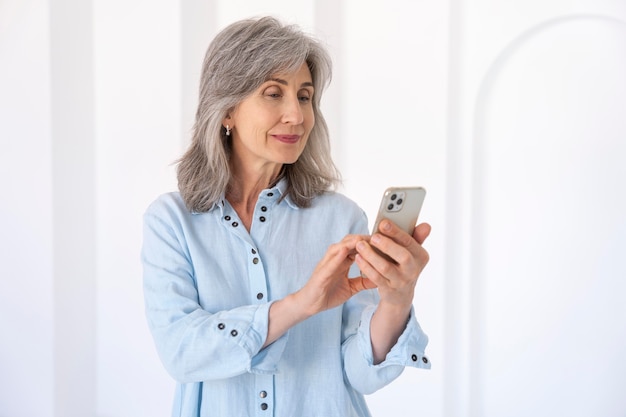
(360, 245)
(386, 226)
(375, 238)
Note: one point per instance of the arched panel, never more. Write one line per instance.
(549, 230)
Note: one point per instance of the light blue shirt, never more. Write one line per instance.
(208, 287)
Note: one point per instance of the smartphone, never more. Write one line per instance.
(402, 206)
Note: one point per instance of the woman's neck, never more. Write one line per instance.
(244, 189)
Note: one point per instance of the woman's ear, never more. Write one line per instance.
(228, 120)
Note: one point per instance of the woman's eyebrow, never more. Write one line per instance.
(284, 82)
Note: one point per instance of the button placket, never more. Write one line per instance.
(256, 271)
(264, 395)
(263, 217)
(265, 200)
(256, 277)
(264, 392)
(232, 220)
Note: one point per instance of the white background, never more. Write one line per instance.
(511, 114)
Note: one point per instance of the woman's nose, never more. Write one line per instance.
(293, 112)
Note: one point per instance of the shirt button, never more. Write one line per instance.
(259, 296)
(425, 359)
(235, 224)
(255, 261)
(227, 218)
(233, 333)
(221, 326)
(270, 194)
(264, 406)
(253, 251)
(262, 218)
(263, 208)
(263, 394)
(414, 357)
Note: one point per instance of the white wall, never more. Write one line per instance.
(510, 116)
(534, 220)
(26, 277)
(548, 230)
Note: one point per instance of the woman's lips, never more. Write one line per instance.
(287, 138)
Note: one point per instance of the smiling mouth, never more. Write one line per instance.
(287, 138)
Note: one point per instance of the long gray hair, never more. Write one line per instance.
(238, 61)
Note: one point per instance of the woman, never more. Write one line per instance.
(251, 271)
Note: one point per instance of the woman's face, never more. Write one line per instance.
(272, 125)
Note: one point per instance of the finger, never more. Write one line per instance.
(372, 264)
(349, 242)
(393, 251)
(421, 232)
(390, 229)
(358, 284)
(405, 261)
(369, 273)
(338, 255)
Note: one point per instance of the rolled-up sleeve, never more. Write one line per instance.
(195, 344)
(360, 371)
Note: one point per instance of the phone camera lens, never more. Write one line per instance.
(399, 201)
(393, 197)
(390, 207)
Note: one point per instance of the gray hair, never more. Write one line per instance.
(238, 61)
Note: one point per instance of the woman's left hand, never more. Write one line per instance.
(395, 277)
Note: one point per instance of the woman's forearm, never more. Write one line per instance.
(388, 323)
(283, 315)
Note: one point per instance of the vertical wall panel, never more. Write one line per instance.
(457, 285)
(138, 113)
(549, 326)
(483, 32)
(73, 174)
(329, 28)
(198, 25)
(26, 277)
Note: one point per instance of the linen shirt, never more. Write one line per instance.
(209, 284)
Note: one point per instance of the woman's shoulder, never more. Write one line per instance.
(167, 205)
(340, 211)
(335, 199)
(336, 202)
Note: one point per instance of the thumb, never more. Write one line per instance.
(421, 232)
(358, 284)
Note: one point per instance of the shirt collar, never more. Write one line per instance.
(280, 188)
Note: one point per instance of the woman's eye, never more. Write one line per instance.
(273, 93)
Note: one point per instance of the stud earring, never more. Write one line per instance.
(227, 130)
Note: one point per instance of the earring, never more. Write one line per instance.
(227, 130)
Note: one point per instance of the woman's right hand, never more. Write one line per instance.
(329, 285)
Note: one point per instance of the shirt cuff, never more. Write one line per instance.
(409, 350)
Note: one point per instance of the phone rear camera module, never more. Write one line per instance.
(395, 201)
